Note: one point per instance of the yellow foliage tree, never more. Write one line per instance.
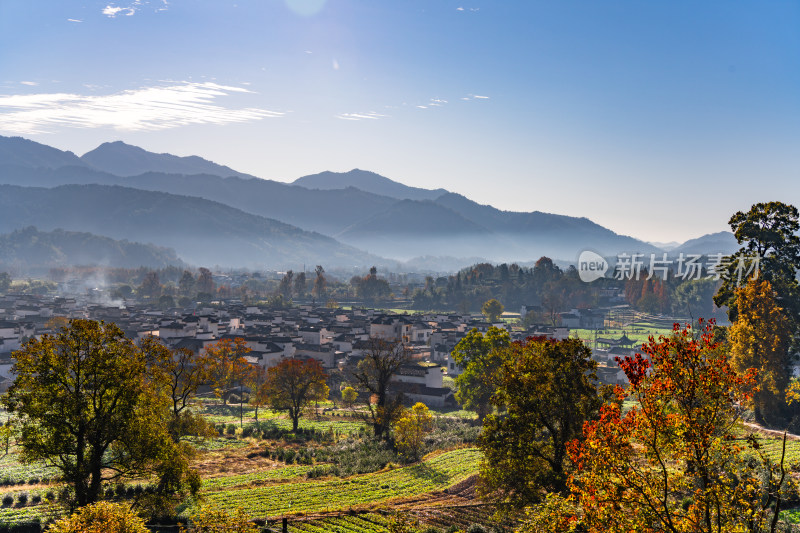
(760, 339)
(100, 517)
(214, 520)
(411, 428)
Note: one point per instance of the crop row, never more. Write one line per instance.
(275, 475)
(436, 473)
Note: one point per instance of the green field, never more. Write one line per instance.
(433, 474)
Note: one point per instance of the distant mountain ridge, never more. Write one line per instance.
(722, 242)
(22, 152)
(359, 208)
(126, 160)
(368, 182)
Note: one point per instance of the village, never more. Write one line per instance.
(336, 337)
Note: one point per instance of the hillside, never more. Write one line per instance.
(26, 153)
(202, 232)
(366, 181)
(29, 249)
(358, 207)
(127, 160)
(721, 242)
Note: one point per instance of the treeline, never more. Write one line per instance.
(555, 290)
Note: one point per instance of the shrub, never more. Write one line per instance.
(230, 429)
(8, 500)
(22, 498)
(476, 528)
(100, 517)
(36, 499)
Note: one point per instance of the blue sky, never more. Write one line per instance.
(655, 119)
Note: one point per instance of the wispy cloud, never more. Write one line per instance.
(480, 97)
(145, 109)
(472, 9)
(130, 9)
(361, 116)
(74, 20)
(30, 83)
(474, 97)
(112, 11)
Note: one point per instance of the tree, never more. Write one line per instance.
(293, 384)
(349, 396)
(255, 380)
(768, 231)
(480, 356)
(215, 520)
(101, 517)
(320, 290)
(285, 287)
(382, 359)
(371, 288)
(180, 373)
(205, 281)
(411, 428)
(151, 285)
(548, 390)
(186, 284)
(676, 462)
(300, 285)
(492, 309)
(227, 366)
(760, 338)
(84, 404)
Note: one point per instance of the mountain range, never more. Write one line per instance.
(212, 214)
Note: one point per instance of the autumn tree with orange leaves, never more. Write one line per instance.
(676, 461)
(292, 385)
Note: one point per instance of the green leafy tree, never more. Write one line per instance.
(492, 309)
(768, 231)
(83, 402)
(548, 390)
(481, 357)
